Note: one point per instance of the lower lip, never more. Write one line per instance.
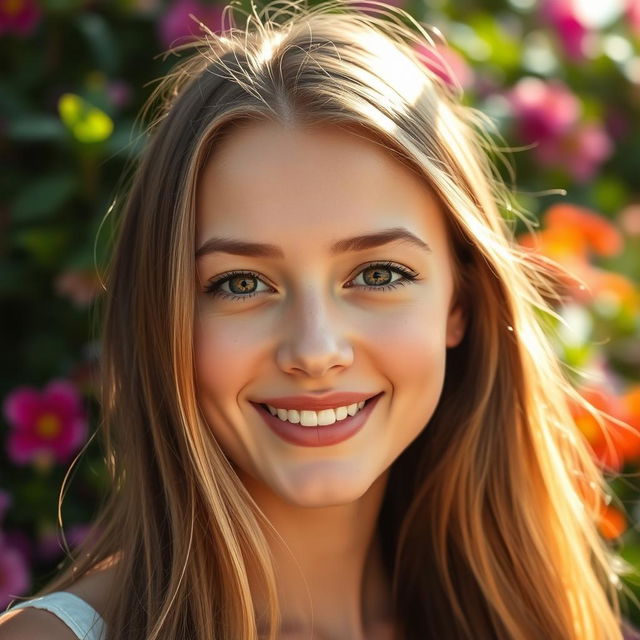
(322, 436)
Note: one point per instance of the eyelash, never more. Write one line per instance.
(213, 288)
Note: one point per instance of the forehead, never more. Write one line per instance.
(267, 180)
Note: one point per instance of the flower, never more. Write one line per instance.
(447, 64)
(572, 236)
(79, 286)
(176, 24)
(547, 115)
(581, 151)
(19, 16)
(572, 33)
(612, 443)
(46, 426)
(14, 573)
(573, 233)
(633, 15)
(612, 523)
(543, 110)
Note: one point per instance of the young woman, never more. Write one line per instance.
(330, 410)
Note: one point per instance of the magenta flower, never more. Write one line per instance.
(14, 573)
(570, 29)
(176, 25)
(580, 152)
(19, 16)
(46, 426)
(447, 64)
(543, 110)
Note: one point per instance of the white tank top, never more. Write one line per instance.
(77, 614)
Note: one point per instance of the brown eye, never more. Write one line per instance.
(237, 285)
(379, 276)
(242, 284)
(376, 275)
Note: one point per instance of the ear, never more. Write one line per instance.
(456, 325)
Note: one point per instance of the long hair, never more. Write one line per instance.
(488, 523)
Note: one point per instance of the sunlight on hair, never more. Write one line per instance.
(401, 73)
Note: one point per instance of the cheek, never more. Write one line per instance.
(225, 352)
(410, 351)
(226, 359)
(410, 342)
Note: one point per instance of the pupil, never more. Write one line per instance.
(378, 275)
(244, 285)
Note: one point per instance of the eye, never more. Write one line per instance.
(375, 277)
(241, 285)
(379, 276)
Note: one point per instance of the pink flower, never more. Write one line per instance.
(581, 151)
(447, 64)
(572, 32)
(46, 426)
(176, 25)
(79, 286)
(633, 15)
(543, 110)
(14, 573)
(19, 16)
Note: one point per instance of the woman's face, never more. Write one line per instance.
(317, 315)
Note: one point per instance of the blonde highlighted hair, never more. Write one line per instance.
(489, 520)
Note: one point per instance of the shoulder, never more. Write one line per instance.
(35, 624)
(39, 624)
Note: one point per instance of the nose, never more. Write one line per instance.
(314, 340)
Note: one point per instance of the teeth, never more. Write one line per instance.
(316, 418)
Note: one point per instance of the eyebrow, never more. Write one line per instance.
(356, 243)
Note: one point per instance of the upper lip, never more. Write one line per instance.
(317, 403)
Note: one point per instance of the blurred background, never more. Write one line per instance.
(561, 80)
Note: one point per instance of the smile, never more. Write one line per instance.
(310, 418)
(327, 427)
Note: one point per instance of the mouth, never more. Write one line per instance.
(318, 435)
(265, 407)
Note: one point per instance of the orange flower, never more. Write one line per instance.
(612, 523)
(612, 444)
(574, 233)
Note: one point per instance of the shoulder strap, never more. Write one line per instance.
(75, 612)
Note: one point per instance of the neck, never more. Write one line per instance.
(330, 575)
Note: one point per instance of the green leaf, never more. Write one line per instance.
(100, 41)
(87, 123)
(41, 198)
(46, 245)
(35, 128)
